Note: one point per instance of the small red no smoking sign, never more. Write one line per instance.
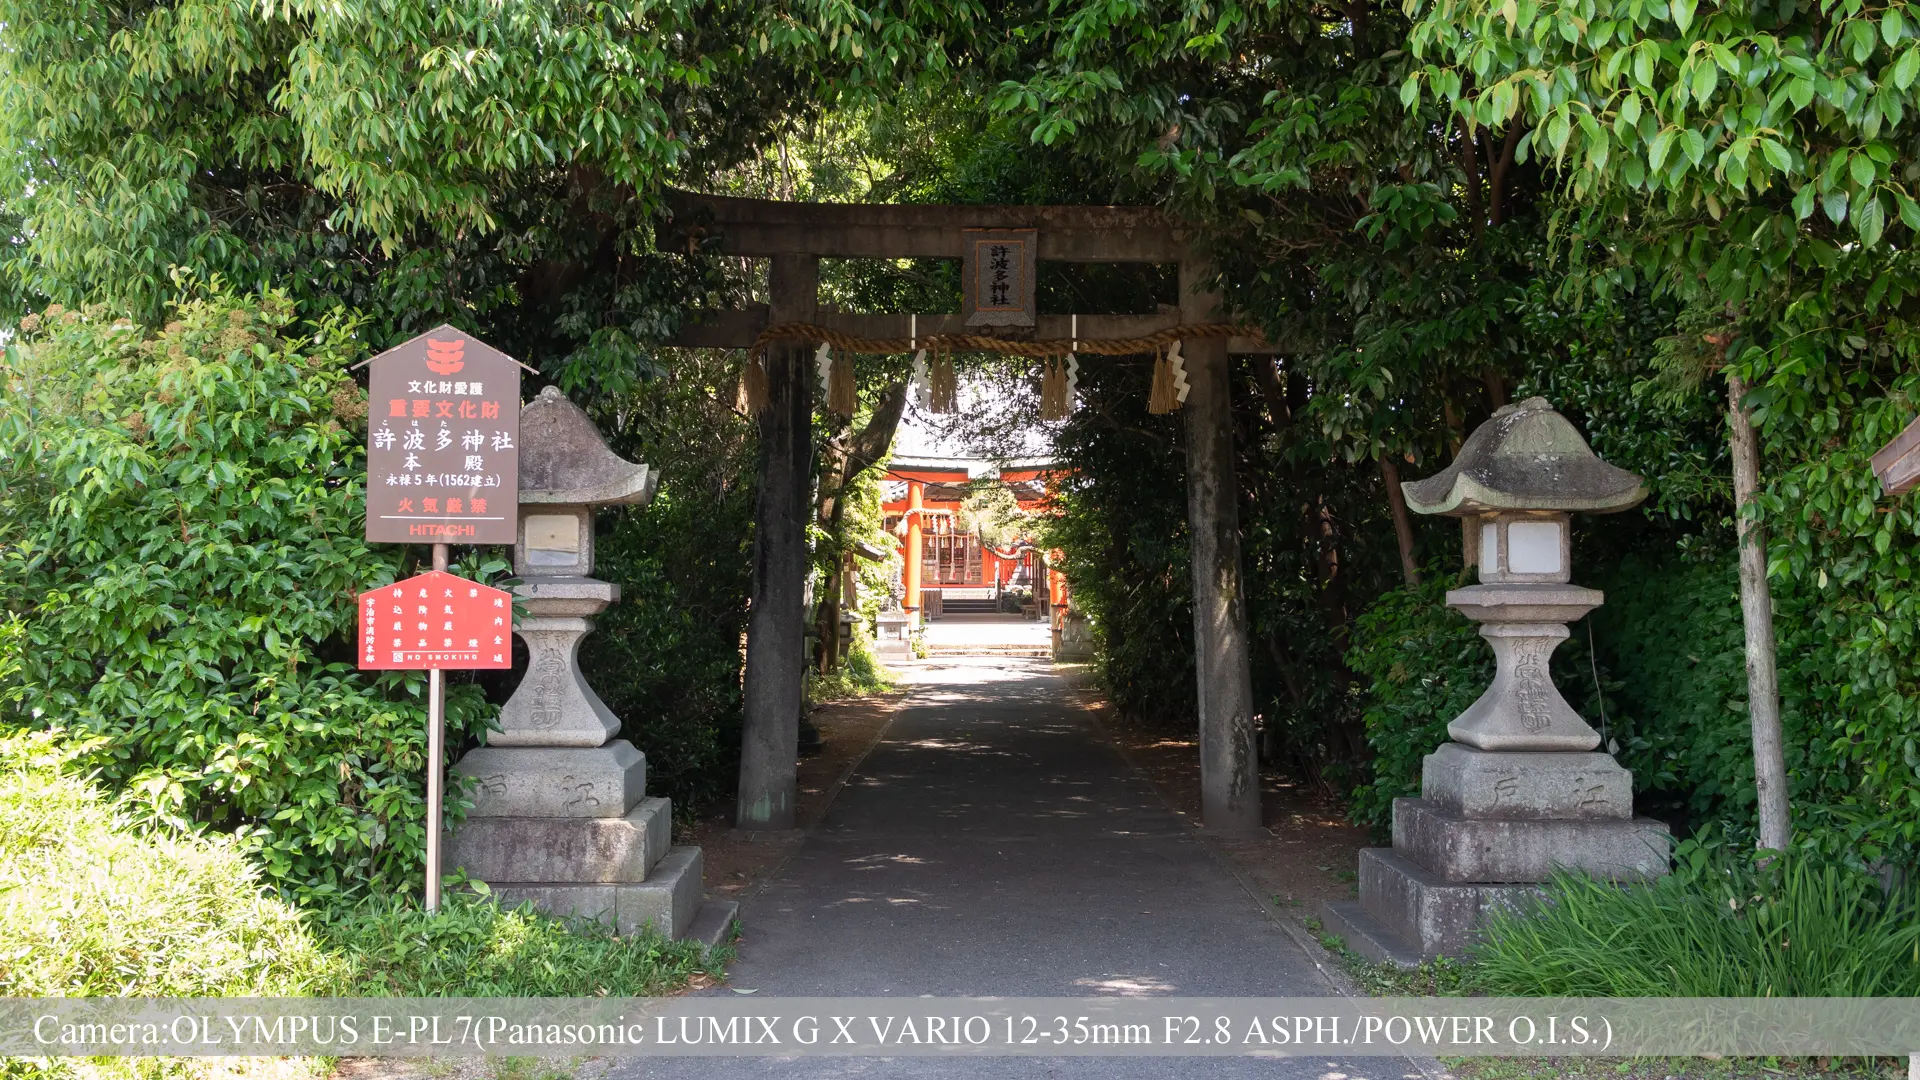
(435, 620)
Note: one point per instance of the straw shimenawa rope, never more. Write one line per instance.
(952, 343)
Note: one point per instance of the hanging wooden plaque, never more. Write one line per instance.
(997, 276)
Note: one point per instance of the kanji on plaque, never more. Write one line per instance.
(435, 620)
(443, 442)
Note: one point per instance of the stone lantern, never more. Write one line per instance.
(561, 816)
(1522, 789)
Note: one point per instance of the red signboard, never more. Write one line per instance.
(435, 620)
(443, 435)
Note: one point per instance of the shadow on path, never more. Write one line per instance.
(993, 845)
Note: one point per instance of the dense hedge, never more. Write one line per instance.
(180, 544)
(181, 538)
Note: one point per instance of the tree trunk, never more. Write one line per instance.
(1402, 521)
(1497, 178)
(1470, 173)
(1496, 386)
(1229, 765)
(843, 464)
(1756, 606)
(776, 637)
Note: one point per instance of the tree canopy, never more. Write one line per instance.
(1435, 207)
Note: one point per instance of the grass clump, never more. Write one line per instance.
(475, 948)
(861, 674)
(1721, 925)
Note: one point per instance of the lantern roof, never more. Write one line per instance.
(1525, 457)
(563, 459)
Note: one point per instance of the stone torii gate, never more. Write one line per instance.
(795, 237)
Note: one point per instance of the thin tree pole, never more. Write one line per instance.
(1756, 608)
(1402, 521)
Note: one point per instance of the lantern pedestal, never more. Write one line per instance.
(1522, 791)
(1488, 828)
(553, 705)
(561, 817)
(1523, 710)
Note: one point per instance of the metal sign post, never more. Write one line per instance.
(436, 755)
(443, 464)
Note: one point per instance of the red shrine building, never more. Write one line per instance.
(946, 567)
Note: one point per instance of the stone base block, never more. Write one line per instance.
(713, 924)
(1433, 916)
(668, 898)
(1366, 935)
(575, 850)
(1530, 786)
(1464, 849)
(667, 901)
(556, 782)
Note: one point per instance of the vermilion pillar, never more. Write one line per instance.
(915, 492)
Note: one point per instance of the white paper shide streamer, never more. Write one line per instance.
(1073, 366)
(919, 384)
(1179, 367)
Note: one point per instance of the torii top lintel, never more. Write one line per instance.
(767, 227)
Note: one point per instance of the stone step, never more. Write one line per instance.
(565, 850)
(666, 901)
(1464, 849)
(1366, 935)
(957, 606)
(1033, 651)
(713, 924)
(1435, 916)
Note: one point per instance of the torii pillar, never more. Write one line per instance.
(1229, 767)
(795, 236)
(776, 620)
(910, 576)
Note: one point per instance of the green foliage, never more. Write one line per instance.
(666, 659)
(1719, 926)
(180, 537)
(1671, 639)
(1791, 106)
(861, 674)
(93, 906)
(474, 947)
(1424, 665)
(1120, 520)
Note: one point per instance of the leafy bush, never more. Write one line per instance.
(1719, 926)
(92, 903)
(1425, 665)
(667, 658)
(92, 906)
(1671, 641)
(1121, 522)
(180, 536)
(859, 674)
